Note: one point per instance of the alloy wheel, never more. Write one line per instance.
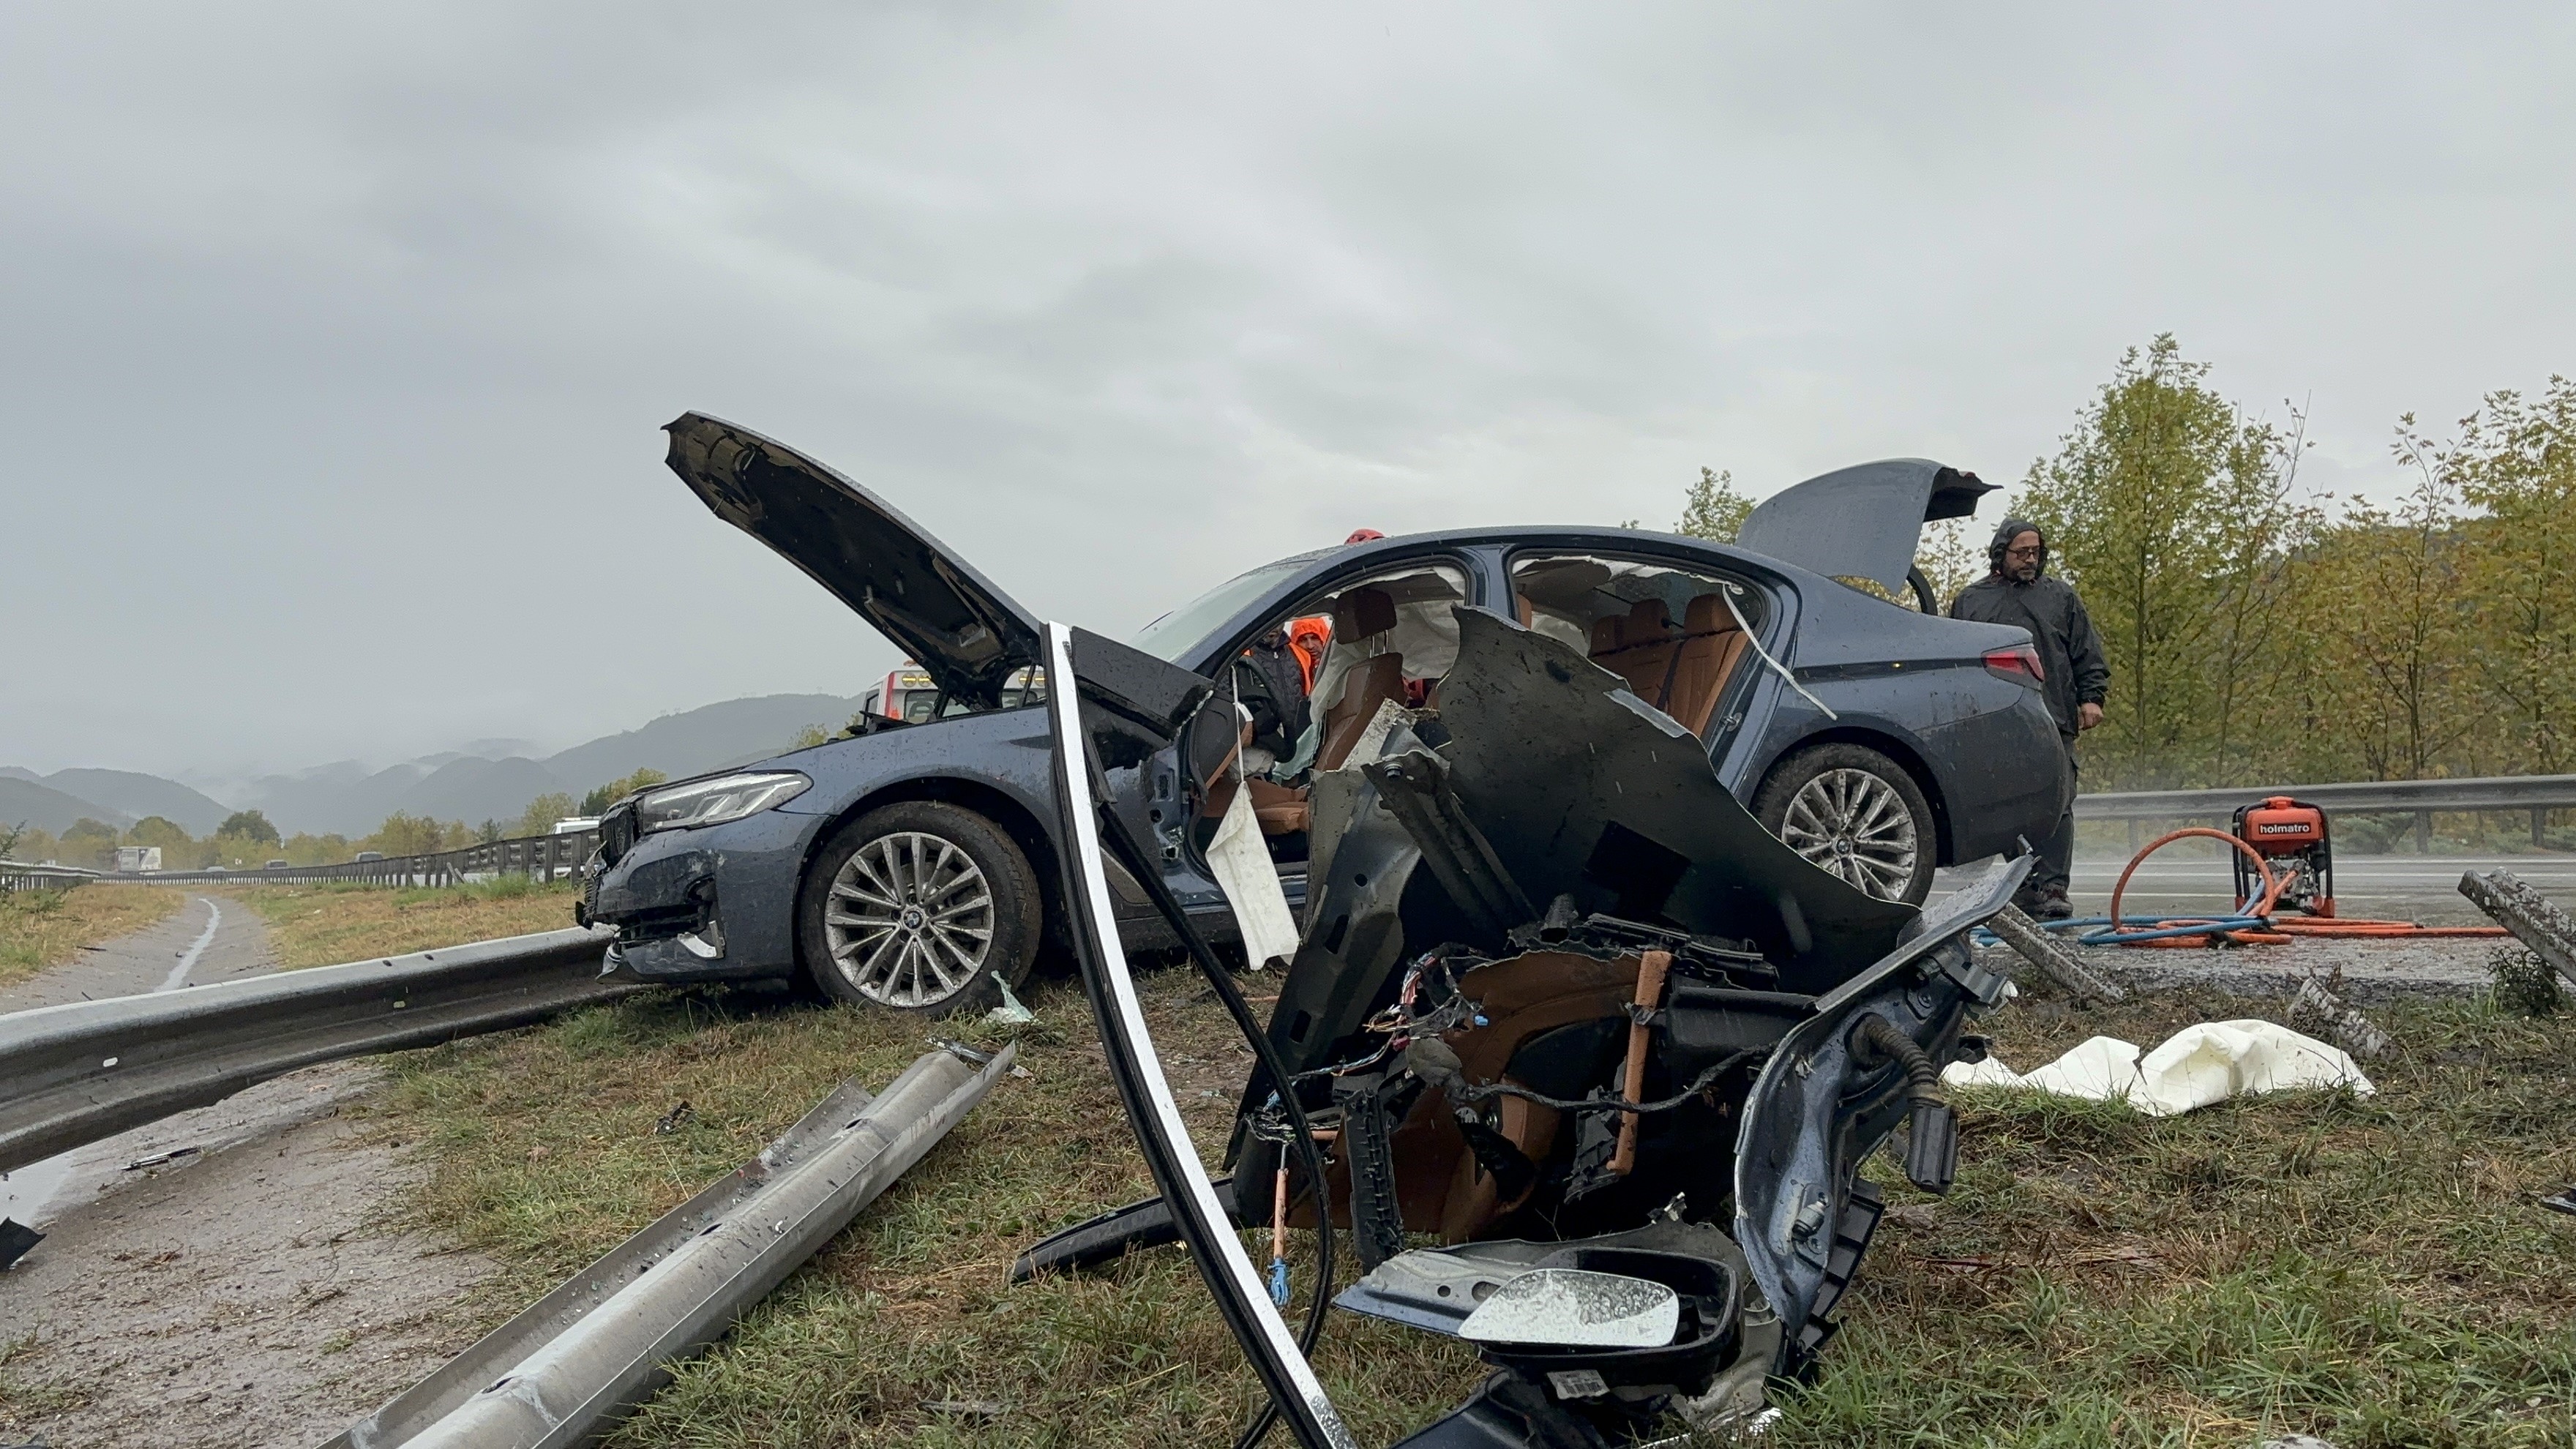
(1855, 825)
(910, 919)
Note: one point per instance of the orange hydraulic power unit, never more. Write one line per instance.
(2291, 837)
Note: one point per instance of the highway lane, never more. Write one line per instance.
(2191, 878)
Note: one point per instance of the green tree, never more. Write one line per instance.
(154, 830)
(89, 843)
(1714, 509)
(248, 825)
(2168, 508)
(542, 813)
(2515, 462)
(407, 834)
(616, 790)
(810, 736)
(2384, 616)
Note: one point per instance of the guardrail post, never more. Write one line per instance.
(2539, 822)
(2423, 832)
(2534, 919)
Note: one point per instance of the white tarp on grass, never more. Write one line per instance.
(2196, 1066)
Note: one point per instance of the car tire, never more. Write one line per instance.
(896, 904)
(1855, 813)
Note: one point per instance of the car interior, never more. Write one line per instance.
(1311, 685)
(1669, 632)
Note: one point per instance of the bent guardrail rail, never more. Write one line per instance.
(602, 1342)
(2422, 799)
(76, 1073)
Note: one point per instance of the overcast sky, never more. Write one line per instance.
(339, 337)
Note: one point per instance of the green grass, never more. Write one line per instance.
(43, 929)
(2373, 1270)
(325, 923)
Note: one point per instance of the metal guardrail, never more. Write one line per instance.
(87, 1070)
(544, 857)
(2423, 799)
(602, 1342)
(17, 877)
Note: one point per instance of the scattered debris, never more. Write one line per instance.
(2533, 918)
(15, 1239)
(2196, 1066)
(2524, 984)
(563, 1371)
(1010, 1012)
(2297, 1441)
(2317, 1009)
(2036, 946)
(2563, 1201)
(1564, 1003)
(159, 1158)
(968, 1408)
(673, 1120)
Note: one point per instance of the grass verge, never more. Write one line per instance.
(328, 923)
(2372, 1270)
(43, 929)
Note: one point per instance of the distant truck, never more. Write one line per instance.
(909, 695)
(575, 824)
(136, 859)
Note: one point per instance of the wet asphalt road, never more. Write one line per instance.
(2189, 878)
(207, 940)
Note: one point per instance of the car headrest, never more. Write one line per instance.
(1648, 622)
(1361, 612)
(1708, 614)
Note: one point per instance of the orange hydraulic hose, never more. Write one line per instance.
(2271, 884)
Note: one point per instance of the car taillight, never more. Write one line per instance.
(2020, 664)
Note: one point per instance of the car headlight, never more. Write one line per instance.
(713, 802)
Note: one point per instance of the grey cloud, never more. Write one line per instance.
(339, 337)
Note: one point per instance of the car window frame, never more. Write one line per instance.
(1770, 593)
(1333, 575)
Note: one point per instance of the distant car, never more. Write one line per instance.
(214, 870)
(914, 864)
(275, 865)
(368, 855)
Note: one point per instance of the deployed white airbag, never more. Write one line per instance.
(2196, 1066)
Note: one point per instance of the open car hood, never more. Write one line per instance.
(969, 636)
(1861, 522)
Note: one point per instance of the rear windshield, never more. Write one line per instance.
(1178, 632)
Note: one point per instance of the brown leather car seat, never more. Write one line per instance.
(1704, 661)
(1681, 673)
(1637, 646)
(1358, 615)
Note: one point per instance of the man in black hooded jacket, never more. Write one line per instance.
(2075, 677)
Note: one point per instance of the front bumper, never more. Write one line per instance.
(717, 903)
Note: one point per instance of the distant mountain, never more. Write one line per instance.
(350, 800)
(707, 738)
(139, 795)
(41, 807)
(476, 790)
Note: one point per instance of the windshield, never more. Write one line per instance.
(1175, 633)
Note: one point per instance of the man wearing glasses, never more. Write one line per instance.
(2075, 677)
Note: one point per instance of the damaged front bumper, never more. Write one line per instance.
(1568, 1007)
(714, 903)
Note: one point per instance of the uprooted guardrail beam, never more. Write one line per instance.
(2533, 918)
(601, 1343)
(76, 1073)
(2023, 934)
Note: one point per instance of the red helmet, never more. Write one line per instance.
(1362, 535)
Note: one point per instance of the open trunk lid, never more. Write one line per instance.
(1861, 522)
(969, 636)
